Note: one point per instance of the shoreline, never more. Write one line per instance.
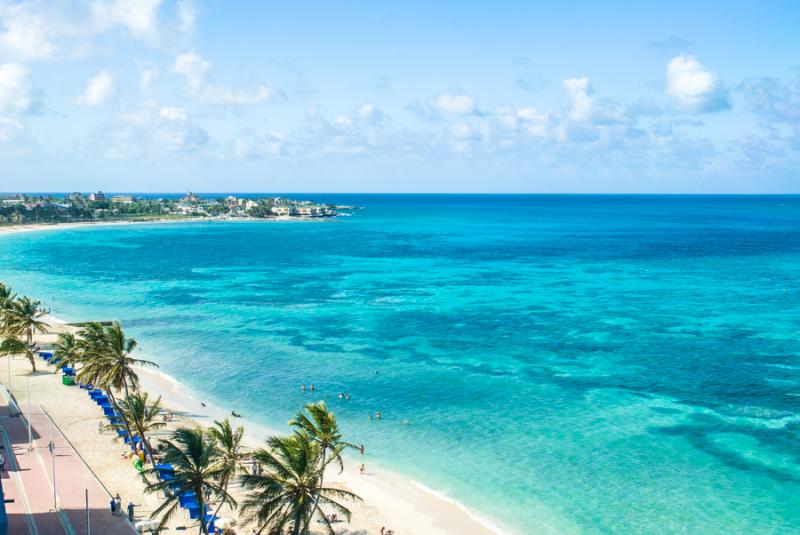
(34, 227)
(418, 510)
(390, 499)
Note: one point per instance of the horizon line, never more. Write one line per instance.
(629, 193)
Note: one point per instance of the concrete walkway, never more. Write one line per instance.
(28, 480)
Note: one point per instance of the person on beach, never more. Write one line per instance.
(362, 469)
(362, 449)
(383, 529)
(100, 428)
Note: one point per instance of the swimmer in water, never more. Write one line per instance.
(378, 415)
(312, 387)
(303, 387)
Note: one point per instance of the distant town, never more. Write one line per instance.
(96, 207)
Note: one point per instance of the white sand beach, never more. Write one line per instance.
(389, 499)
(38, 227)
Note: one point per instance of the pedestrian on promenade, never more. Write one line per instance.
(130, 511)
(113, 506)
(2, 463)
(118, 504)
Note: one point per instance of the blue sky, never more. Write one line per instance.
(216, 95)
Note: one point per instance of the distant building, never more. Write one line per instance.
(310, 211)
(231, 201)
(190, 197)
(281, 210)
(248, 204)
(124, 199)
(99, 196)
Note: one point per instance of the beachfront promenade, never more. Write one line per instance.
(28, 481)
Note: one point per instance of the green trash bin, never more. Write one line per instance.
(67, 380)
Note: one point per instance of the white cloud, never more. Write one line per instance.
(253, 145)
(98, 90)
(173, 114)
(57, 30)
(9, 129)
(25, 32)
(140, 17)
(693, 87)
(151, 129)
(147, 77)
(580, 101)
(16, 92)
(194, 68)
(369, 114)
(187, 18)
(454, 104)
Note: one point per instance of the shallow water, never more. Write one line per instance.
(569, 364)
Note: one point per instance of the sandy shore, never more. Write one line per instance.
(389, 499)
(13, 229)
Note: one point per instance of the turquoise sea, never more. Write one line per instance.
(569, 364)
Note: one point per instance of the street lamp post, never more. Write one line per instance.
(30, 434)
(52, 448)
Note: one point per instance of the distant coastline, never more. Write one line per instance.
(48, 209)
(33, 227)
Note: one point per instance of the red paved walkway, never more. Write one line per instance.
(28, 481)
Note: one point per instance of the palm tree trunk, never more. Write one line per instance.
(118, 411)
(201, 499)
(145, 446)
(321, 477)
(221, 502)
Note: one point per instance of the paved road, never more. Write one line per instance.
(28, 481)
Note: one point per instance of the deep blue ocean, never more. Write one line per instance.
(569, 364)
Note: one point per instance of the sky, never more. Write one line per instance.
(496, 97)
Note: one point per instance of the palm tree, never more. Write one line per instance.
(288, 493)
(6, 297)
(230, 456)
(192, 452)
(142, 415)
(108, 365)
(15, 346)
(321, 427)
(68, 351)
(24, 317)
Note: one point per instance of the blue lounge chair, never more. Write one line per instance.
(210, 522)
(187, 498)
(194, 511)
